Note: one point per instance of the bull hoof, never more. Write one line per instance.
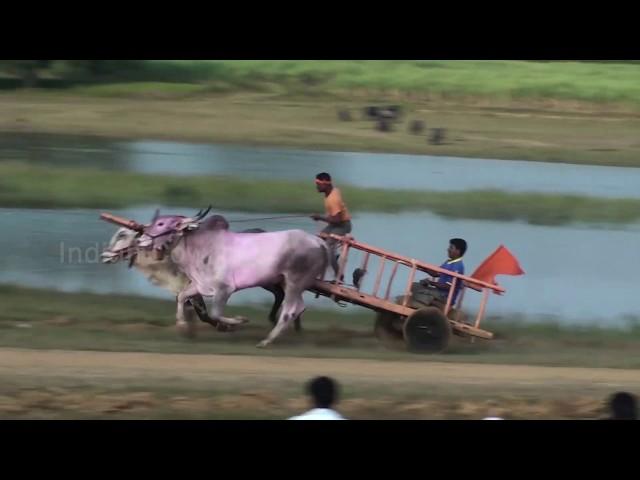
(223, 327)
(241, 320)
(187, 329)
(263, 344)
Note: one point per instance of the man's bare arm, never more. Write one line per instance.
(327, 218)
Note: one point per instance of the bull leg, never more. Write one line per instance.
(200, 307)
(297, 325)
(189, 313)
(182, 324)
(292, 308)
(220, 300)
(278, 294)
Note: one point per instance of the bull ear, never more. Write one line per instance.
(222, 223)
(216, 222)
(188, 224)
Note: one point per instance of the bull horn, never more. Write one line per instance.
(200, 215)
(155, 215)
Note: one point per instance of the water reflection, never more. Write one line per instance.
(361, 169)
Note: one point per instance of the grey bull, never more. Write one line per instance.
(165, 273)
(219, 262)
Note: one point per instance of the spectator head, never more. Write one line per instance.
(323, 391)
(623, 406)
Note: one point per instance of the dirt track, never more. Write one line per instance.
(85, 364)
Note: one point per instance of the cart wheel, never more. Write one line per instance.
(427, 331)
(388, 329)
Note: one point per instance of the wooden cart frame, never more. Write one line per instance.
(435, 319)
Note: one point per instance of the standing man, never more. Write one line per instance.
(337, 215)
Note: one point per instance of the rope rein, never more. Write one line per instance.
(268, 218)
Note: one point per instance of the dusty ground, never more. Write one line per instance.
(131, 364)
(83, 384)
(72, 355)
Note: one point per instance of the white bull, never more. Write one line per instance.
(165, 274)
(219, 262)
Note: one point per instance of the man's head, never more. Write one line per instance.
(323, 391)
(457, 248)
(623, 406)
(323, 182)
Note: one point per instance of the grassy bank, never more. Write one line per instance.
(24, 185)
(593, 82)
(545, 130)
(42, 319)
(583, 81)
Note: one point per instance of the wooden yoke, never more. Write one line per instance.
(122, 222)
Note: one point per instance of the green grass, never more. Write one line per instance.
(141, 89)
(594, 82)
(591, 82)
(43, 319)
(60, 397)
(67, 397)
(29, 186)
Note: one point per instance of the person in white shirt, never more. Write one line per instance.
(324, 393)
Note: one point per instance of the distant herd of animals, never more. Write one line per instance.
(386, 118)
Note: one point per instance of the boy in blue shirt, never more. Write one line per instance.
(439, 289)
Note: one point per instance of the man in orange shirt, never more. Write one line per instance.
(337, 215)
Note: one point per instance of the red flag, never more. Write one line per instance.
(500, 262)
